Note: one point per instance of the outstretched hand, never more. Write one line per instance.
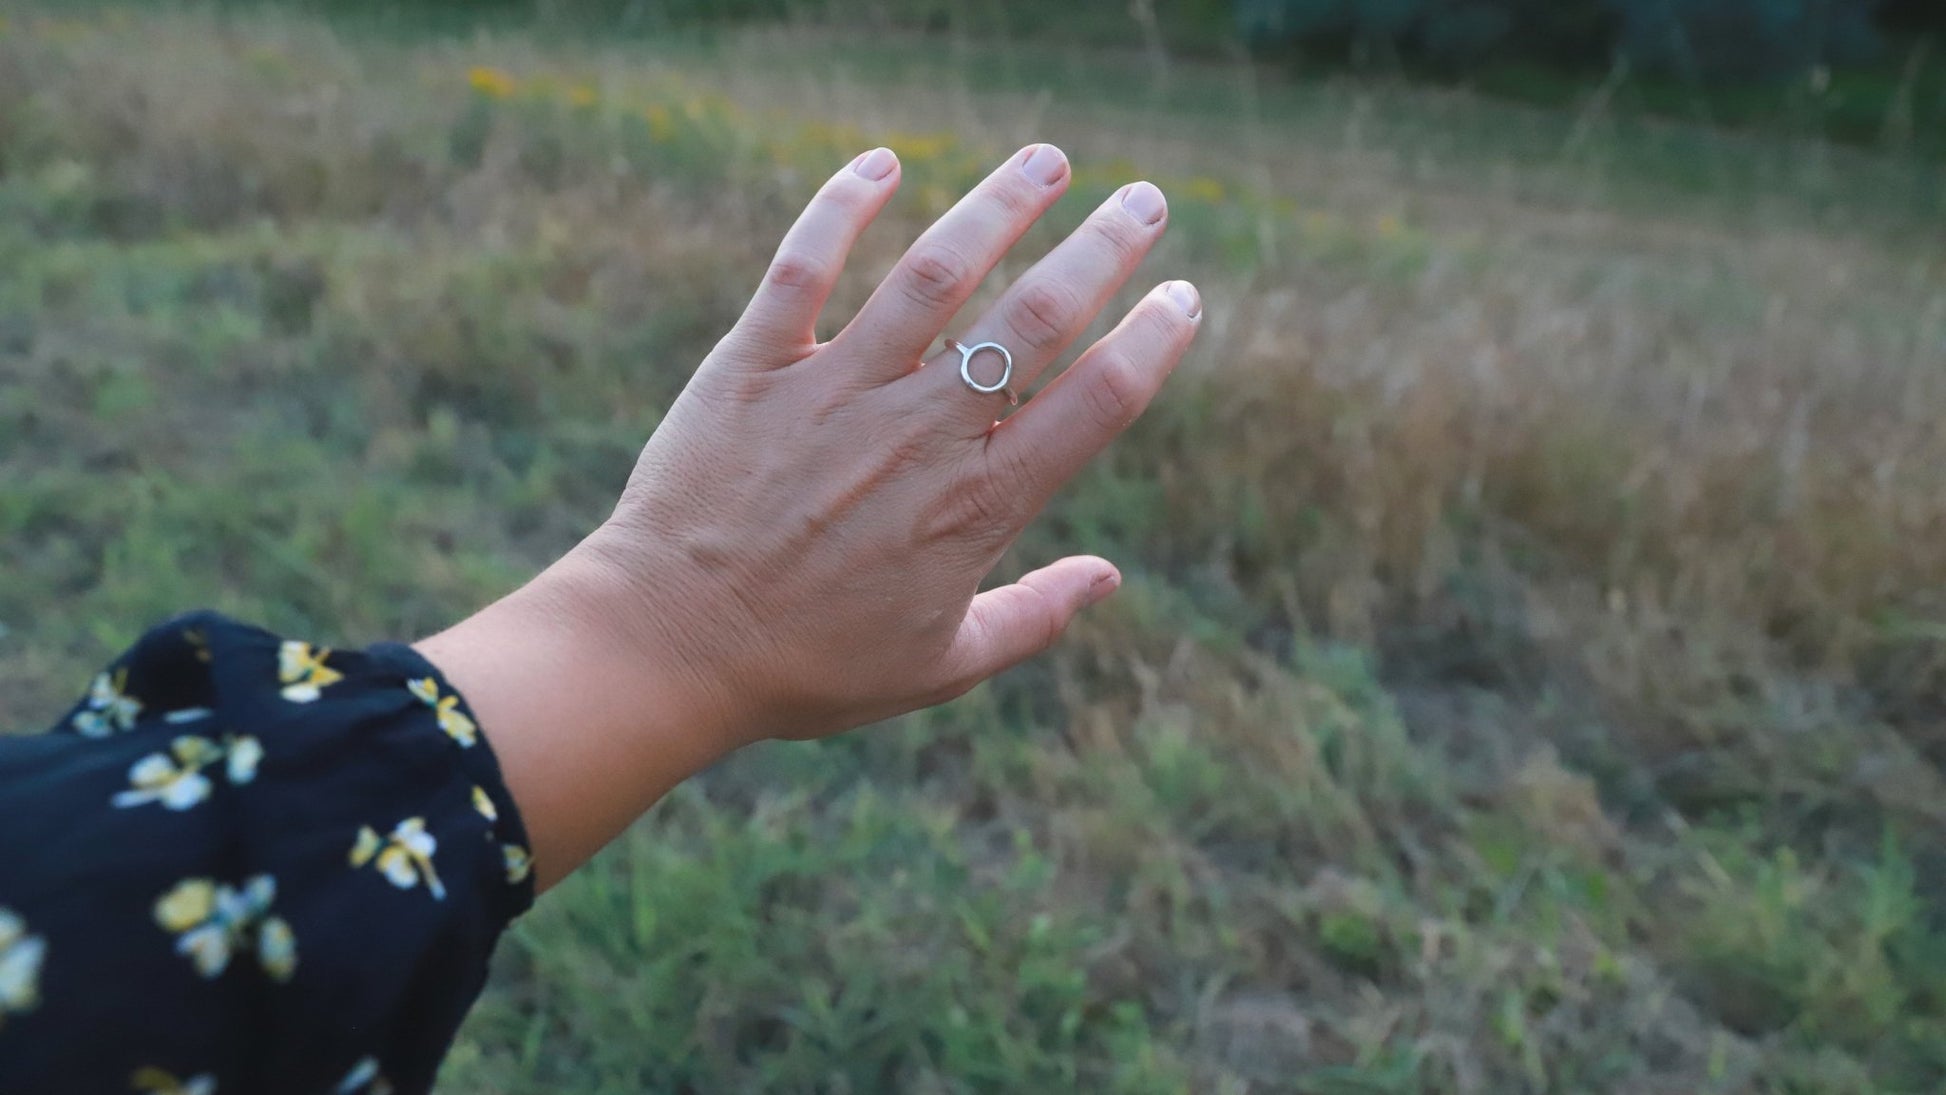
(801, 546)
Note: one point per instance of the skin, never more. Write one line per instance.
(801, 546)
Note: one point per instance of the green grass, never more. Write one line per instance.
(1527, 674)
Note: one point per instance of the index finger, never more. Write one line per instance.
(782, 318)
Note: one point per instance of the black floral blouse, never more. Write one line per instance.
(246, 864)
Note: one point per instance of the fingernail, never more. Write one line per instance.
(1104, 585)
(1145, 202)
(1044, 164)
(1186, 298)
(876, 164)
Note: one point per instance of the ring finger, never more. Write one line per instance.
(1051, 305)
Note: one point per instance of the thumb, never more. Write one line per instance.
(1006, 626)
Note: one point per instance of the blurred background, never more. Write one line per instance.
(1531, 672)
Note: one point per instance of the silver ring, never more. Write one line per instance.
(966, 354)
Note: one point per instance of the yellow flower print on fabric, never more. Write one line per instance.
(176, 780)
(484, 805)
(404, 856)
(519, 863)
(363, 1079)
(277, 949)
(154, 1081)
(110, 708)
(451, 719)
(212, 922)
(20, 966)
(302, 672)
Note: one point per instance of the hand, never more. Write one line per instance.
(800, 548)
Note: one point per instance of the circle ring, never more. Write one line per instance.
(966, 355)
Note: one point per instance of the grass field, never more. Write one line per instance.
(1531, 671)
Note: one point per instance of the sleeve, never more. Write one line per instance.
(247, 864)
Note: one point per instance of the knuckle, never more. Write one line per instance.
(1168, 326)
(1048, 620)
(798, 271)
(1013, 198)
(1042, 313)
(1042, 619)
(1115, 391)
(910, 444)
(984, 504)
(975, 510)
(845, 192)
(1122, 239)
(935, 275)
(960, 516)
(1013, 468)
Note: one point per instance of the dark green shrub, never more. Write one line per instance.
(1746, 37)
(1708, 38)
(1444, 33)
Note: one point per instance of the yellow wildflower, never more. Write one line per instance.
(662, 125)
(1204, 189)
(581, 95)
(921, 147)
(491, 82)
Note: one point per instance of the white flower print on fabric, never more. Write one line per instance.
(110, 709)
(213, 921)
(176, 780)
(302, 672)
(363, 1079)
(21, 956)
(155, 1081)
(404, 856)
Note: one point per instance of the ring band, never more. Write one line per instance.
(966, 355)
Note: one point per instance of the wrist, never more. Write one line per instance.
(635, 609)
(591, 718)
